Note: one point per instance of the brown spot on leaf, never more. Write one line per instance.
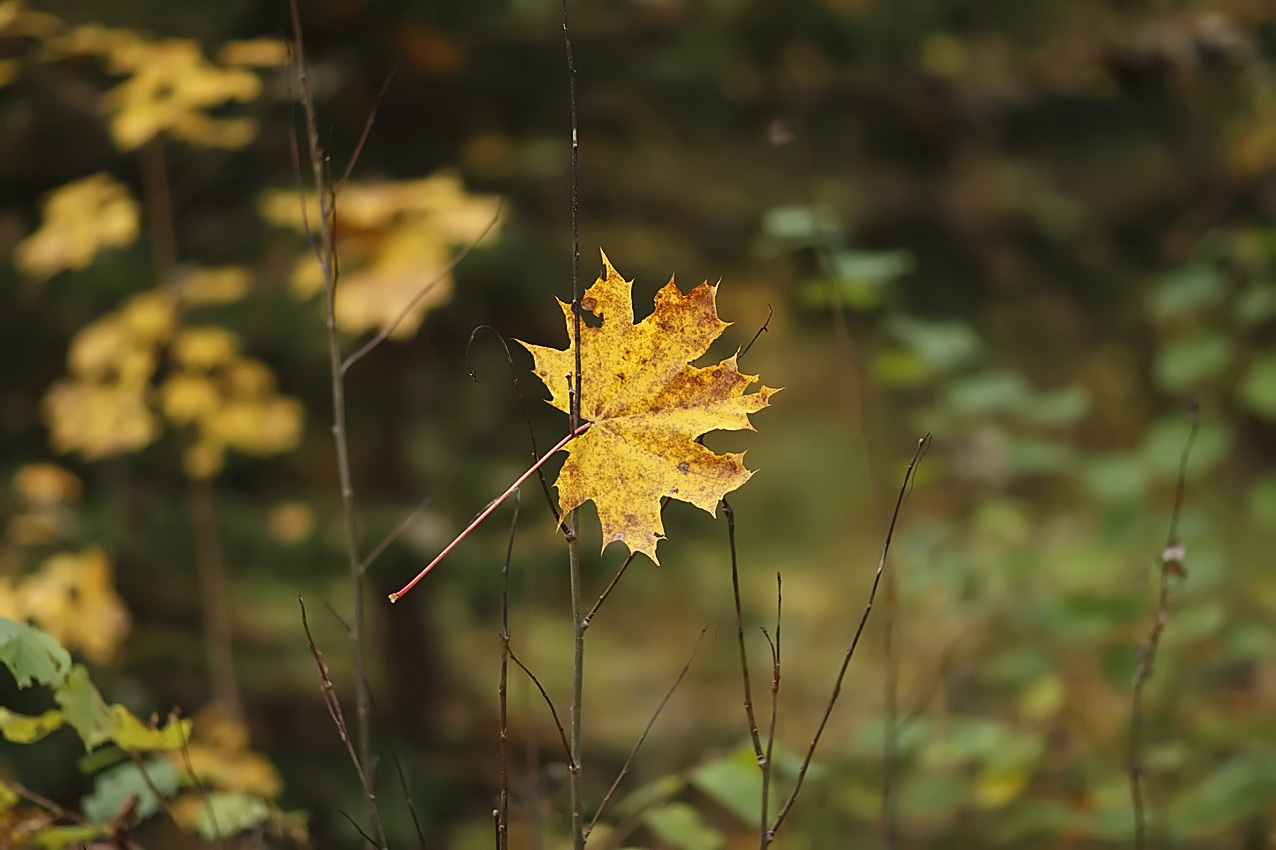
(684, 467)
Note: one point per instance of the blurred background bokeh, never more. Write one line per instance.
(1038, 230)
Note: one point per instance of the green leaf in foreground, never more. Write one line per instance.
(681, 826)
(229, 813)
(114, 786)
(21, 729)
(32, 655)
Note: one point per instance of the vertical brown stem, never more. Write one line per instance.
(213, 597)
(213, 593)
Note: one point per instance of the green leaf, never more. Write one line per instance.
(1057, 408)
(1190, 361)
(988, 393)
(1163, 443)
(1250, 641)
(945, 346)
(1256, 305)
(1262, 500)
(130, 733)
(85, 709)
(1032, 818)
(112, 787)
(650, 794)
(735, 782)
(1113, 477)
(21, 729)
(682, 826)
(59, 837)
(32, 655)
(901, 369)
(1029, 456)
(1237, 790)
(800, 226)
(859, 278)
(1257, 389)
(227, 813)
(1188, 291)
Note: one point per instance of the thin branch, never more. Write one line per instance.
(160, 799)
(850, 650)
(758, 752)
(439, 277)
(769, 313)
(486, 512)
(562, 733)
(1171, 568)
(767, 762)
(522, 403)
(333, 704)
(325, 249)
(615, 580)
(394, 534)
(624, 770)
(502, 813)
(367, 130)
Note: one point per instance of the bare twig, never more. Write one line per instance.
(615, 580)
(1171, 568)
(562, 733)
(766, 762)
(325, 250)
(333, 704)
(367, 130)
(624, 770)
(160, 799)
(502, 813)
(384, 333)
(394, 533)
(769, 313)
(850, 650)
(573, 535)
(213, 597)
(758, 752)
(522, 403)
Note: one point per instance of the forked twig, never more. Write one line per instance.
(850, 650)
(502, 813)
(767, 762)
(624, 770)
(758, 752)
(333, 704)
(562, 733)
(1171, 568)
(522, 403)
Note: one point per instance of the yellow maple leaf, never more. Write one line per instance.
(647, 406)
(219, 756)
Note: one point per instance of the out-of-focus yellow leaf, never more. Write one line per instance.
(257, 427)
(218, 755)
(46, 483)
(91, 39)
(996, 788)
(21, 729)
(98, 346)
(10, 605)
(260, 53)
(410, 263)
(185, 398)
(396, 240)
(80, 219)
(247, 378)
(149, 316)
(10, 69)
(170, 88)
(203, 459)
(1043, 697)
(17, 21)
(291, 523)
(98, 420)
(73, 599)
(204, 348)
(215, 286)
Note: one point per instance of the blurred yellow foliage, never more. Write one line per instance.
(223, 285)
(108, 402)
(170, 87)
(291, 523)
(42, 515)
(80, 219)
(46, 483)
(259, 52)
(395, 243)
(218, 755)
(72, 598)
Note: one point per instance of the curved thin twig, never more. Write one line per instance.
(850, 650)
